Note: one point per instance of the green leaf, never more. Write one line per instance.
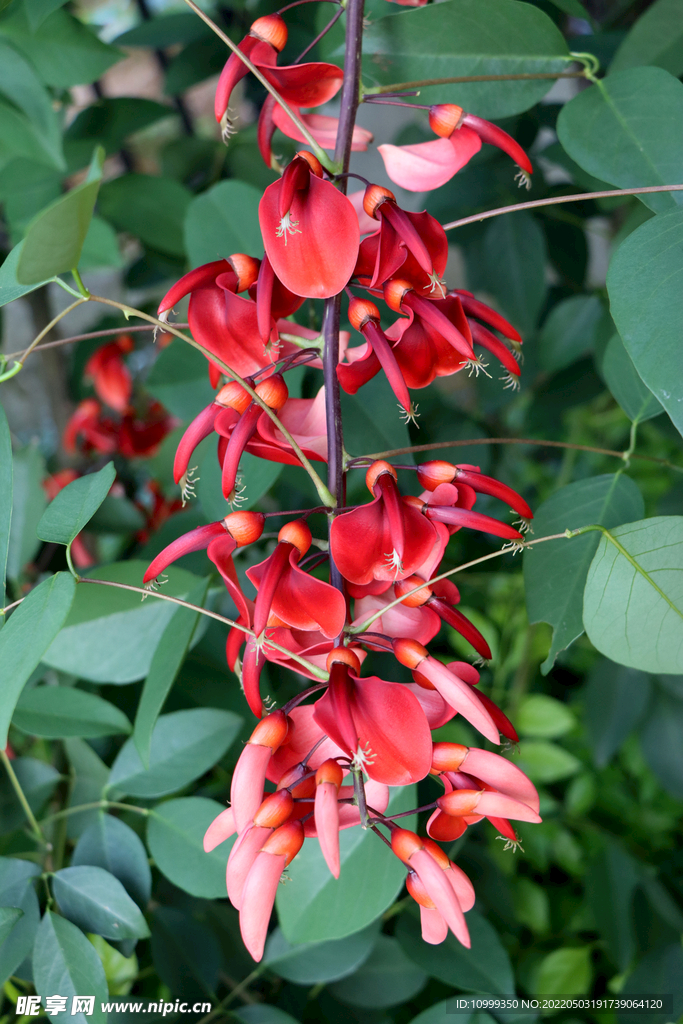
(633, 601)
(111, 844)
(89, 775)
(468, 38)
(117, 514)
(8, 918)
(101, 247)
(24, 640)
(10, 289)
(656, 38)
(37, 780)
(259, 1013)
(151, 208)
(611, 880)
(180, 380)
(19, 82)
(568, 971)
(660, 737)
(631, 113)
(75, 505)
(258, 476)
(372, 421)
(168, 657)
(5, 502)
(312, 963)
(65, 962)
(26, 188)
(112, 120)
(97, 902)
(661, 970)
(185, 954)
(57, 711)
(55, 238)
(221, 221)
(532, 906)
(38, 10)
(540, 715)
(165, 30)
(175, 831)
(546, 762)
(497, 266)
(63, 50)
(645, 285)
(185, 744)
(16, 891)
(120, 971)
(621, 377)
(386, 978)
(315, 907)
(483, 968)
(28, 502)
(615, 700)
(555, 572)
(111, 634)
(441, 1013)
(569, 331)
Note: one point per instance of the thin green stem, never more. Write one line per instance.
(9, 607)
(21, 797)
(46, 330)
(555, 200)
(8, 374)
(459, 79)
(236, 992)
(97, 805)
(81, 287)
(320, 487)
(69, 562)
(319, 152)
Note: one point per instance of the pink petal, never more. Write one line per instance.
(428, 165)
(246, 790)
(220, 829)
(242, 856)
(460, 696)
(500, 773)
(441, 893)
(434, 928)
(462, 887)
(258, 897)
(326, 813)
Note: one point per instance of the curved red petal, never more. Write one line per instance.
(392, 731)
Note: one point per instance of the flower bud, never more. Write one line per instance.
(344, 656)
(285, 841)
(460, 802)
(273, 391)
(417, 599)
(405, 843)
(271, 731)
(270, 29)
(444, 118)
(394, 291)
(246, 270)
(409, 652)
(244, 527)
(233, 396)
(431, 474)
(447, 757)
(300, 790)
(274, 810)
(360, 311)
(296, 533)
(375, 472)
(329, 771)
(312, 161)
(439, 855)
(373, 198)
(417, 890)
(414, 502)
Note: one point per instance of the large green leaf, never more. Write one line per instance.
(442, 1013)
(546, 762)
(151, 208)
(660, 970)
(645, 285)
(315, 907)
(185, 954)
(111, 634)
(89, 776)
(483, 968)
(28, 502)
(185, 744)
(64, 962)
(568, 970)
(38, 10)
(168, 657)
(621, 377)
(656, 38)
(16, 890)
(468, 38)
(19, 137)
(311, 963)
(221, 221)
(631, 113)
(387, 977)
(569, 331)
(10, 288)
(8, 918)
(19, 82)
(615, 700)
(111, 121)
(611, 879)
(55, 238)
(97, 902)
(257, 477)
(63, 50)
(175, 831)
(660, 737)
(54, 712)
(633, 601)
(555, 572)
(26, 637)
(5, 501)
(166, 30)
(75, 505)
(111, 844)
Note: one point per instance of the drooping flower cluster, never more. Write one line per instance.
(326, 759)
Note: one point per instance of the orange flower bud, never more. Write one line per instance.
(346, 656)
(447, 757)
(444, 118)
(246, 270)
(273, 391)
(405, 844)
(417, 599)
(285, 841)
(329, 771)
(270, 29)
(233, 396)
(296, 533)
(460, 802)
(374, 196)
(394, 291)
(360, 311)
(312, 161)
(299, 790)
(439, 855)
(244, 527)
(376, 470)
(431, 474)
(409, 652)
(274, 810)
(417, 890)
(271, 731)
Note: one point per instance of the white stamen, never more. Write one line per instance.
(411, 415)
(395, 562)
(287, 224)
(437, 282)
(523, 179)
(154, 585)
(478, 366)
(511, 844)
(510, 381)
(188, 483)
(363, 756)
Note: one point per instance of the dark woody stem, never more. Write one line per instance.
(342, 153)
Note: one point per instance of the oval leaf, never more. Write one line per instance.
(97, 902)
(64, 962)
(221, 221)
(110, 844)
(312, 963)
(17, 892)
(386, 978)
(5, 501)
(75, 505)
(57, 711)
(175, 831)
(621, 377)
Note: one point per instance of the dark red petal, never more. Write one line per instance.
(472, 520)
(306, 85)
(235, 69)
(333, 710)
(482, 336)
(198, 278)
(353, 375)
(220, 552)
(201, 427)
(463, 625)
(495, 136)
(267, 576)
(473, 307)
(392, 730)
(252, 665)
(384, 353)
(196, 540)
(265, 130)
(487, 485)
(440, 322)
(243, 431)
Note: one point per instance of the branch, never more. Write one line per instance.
(576, 198)
(90, 334)
(423, 82)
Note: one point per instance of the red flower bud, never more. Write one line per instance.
(405, 843)
(376, 470)
(312, 161)
(246, 270)
(447, 757)
(409, 652)
(431, 474)
(417, 890)
(374, 196)
(329, 771)
(296, 533)
(270, 29)
(233, 396)
(271, 731)
(394, 292)
(344, 656)
(244, 527)
(360, 311)
(274, 810)
(444, 118)
(273, 391)
(417, 599)
(286, 841)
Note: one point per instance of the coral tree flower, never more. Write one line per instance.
(239, 529)
(246, 790)
(260, 886)
(109, 373)
(428, 165)
(310, 230)
(328, 779)
(364, 316)
(384, 540)
(421, 858)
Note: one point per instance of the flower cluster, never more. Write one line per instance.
(326, 759)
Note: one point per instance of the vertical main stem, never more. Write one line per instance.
(342, 154)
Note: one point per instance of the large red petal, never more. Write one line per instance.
(392, 730)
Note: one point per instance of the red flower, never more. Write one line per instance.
(310, 230)
(424, 861)
(241, 528)
(110, 375)
(364, 316)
